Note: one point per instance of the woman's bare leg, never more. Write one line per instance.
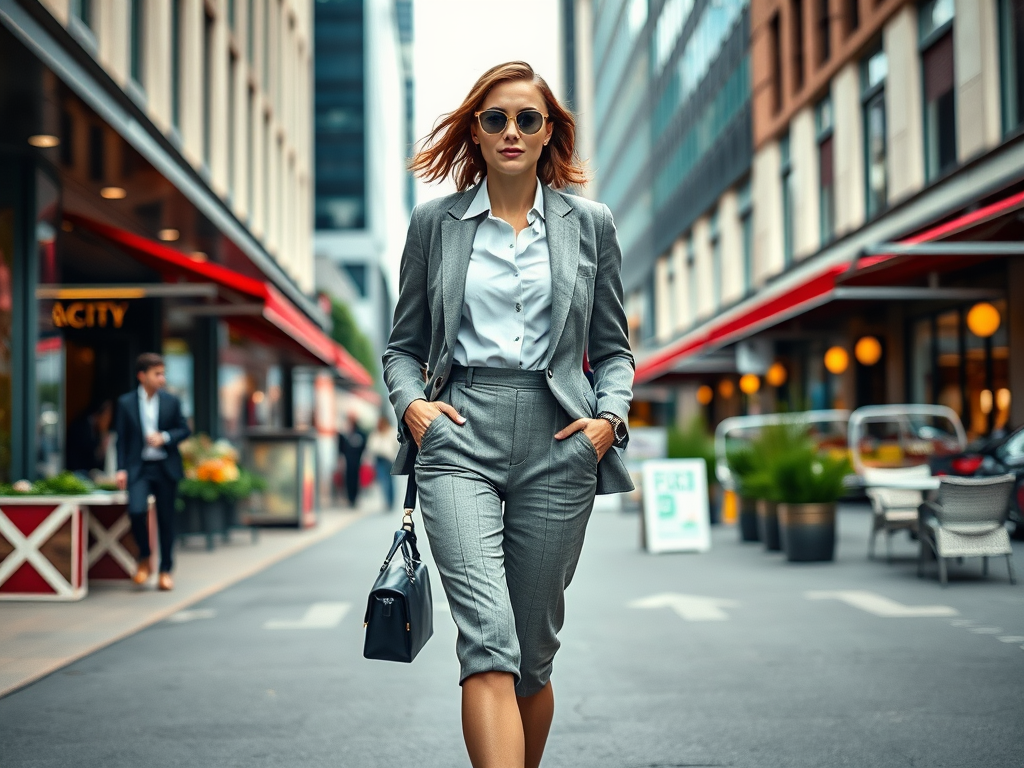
(536, 712)
(491, 722)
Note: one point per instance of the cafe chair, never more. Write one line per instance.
(893, 509)
(967, 520)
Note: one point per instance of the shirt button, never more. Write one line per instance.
(519, 307)
(550, 373)
(516, 274)
(516, 339)
(511, 245)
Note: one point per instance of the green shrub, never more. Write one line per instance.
(804, 477)
(693, 442)
(206, 490)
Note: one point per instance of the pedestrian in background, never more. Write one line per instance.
(382, 445)
(351, 445)
(149, 426)
(503, 288)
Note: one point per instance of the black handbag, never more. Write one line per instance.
(400, 610)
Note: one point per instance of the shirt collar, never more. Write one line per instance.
(482, 202)
(144, 398)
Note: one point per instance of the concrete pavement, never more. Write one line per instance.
(806, 665)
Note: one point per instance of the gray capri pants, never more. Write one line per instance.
(505, 572)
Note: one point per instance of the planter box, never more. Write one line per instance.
(201, 518)
(748, 520)
(808, 531)
(768, 524)
(113, 554)
(43, 548)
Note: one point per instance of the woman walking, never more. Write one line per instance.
(504, 287)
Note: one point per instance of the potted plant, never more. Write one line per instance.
(743, 467)
(808, 486)
(772, 444)
(212, 485)
(694, 442)
(64, 484)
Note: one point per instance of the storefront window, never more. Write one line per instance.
(179, 366)
(921, 361)
(49, 357)
(6, 338)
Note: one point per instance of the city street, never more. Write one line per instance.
(731, 658)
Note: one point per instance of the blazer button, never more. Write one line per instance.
(550, 373)
(437, 381)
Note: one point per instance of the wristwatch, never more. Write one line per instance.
(618, 427)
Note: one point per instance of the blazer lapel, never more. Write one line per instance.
(563, 233)
(456, 249)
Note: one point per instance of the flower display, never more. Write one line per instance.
(212, 471)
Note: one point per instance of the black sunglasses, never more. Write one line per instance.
(494, 120)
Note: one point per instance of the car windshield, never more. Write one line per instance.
(1013, 448)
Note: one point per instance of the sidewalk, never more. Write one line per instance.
(37, 639)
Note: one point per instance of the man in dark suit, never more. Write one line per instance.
(149, 427)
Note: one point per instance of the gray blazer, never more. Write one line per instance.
(586, 314)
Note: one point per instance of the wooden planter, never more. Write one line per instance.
(768, 524)
(748, 520)
(808, 531)
(43, 548)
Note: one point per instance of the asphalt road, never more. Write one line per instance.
(761, 674)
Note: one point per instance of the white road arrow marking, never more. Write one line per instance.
(196, 613)
(318, 616)
(883, 606)
(688, 607)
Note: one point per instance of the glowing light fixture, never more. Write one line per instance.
(43, 141)
(726, 388)
(868, 350)
(198, 256)
(113, 193)
(985, 401)
(1003, 399)
(168, 235)
(776, 375)
(749, 383)
(257, 397)
(983, 319)
(705, 394)
(837, 360)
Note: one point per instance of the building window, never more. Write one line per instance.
(936, 36)
(82, 9)
(1011, 48)
(775, 41)
(232, 119)
(797, 13)
(691, 280)
(824, 32)
(746, 211)
(250, 30)
(826, 175)
(176, 63)
(852, 16)
(874, 71)
(787, 181)
(647, 325)
(232, 13)
(714, 235)
(208, 67)
(137, 40)
(357, 274)
(670, 290)
(250, 167)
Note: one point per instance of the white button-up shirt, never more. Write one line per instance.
(506, 313)
(149, 412)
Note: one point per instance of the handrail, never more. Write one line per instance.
(734, 423)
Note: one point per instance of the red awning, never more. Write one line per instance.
(777, 304)
(279, 316)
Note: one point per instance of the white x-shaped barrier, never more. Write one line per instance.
(27, 550)
(107, 541)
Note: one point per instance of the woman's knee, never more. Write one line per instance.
(493, 680)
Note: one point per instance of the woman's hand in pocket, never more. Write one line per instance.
(421, 413)
(598, 431)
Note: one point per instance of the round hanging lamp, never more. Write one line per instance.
(749, 383)
(868, 350)
(776, 375)
(837, 360)
(705, 394)
(983, 319)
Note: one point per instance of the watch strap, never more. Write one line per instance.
(618, 427)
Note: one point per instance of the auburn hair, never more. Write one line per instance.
(448, 151)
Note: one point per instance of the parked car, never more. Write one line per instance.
(1000, 455)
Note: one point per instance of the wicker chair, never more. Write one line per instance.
(893, 509)
(967, 521)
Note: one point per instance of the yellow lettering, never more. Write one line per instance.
(101, 310)
(90, 314)
(118, 310)
(74, 315)
(57, 314)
